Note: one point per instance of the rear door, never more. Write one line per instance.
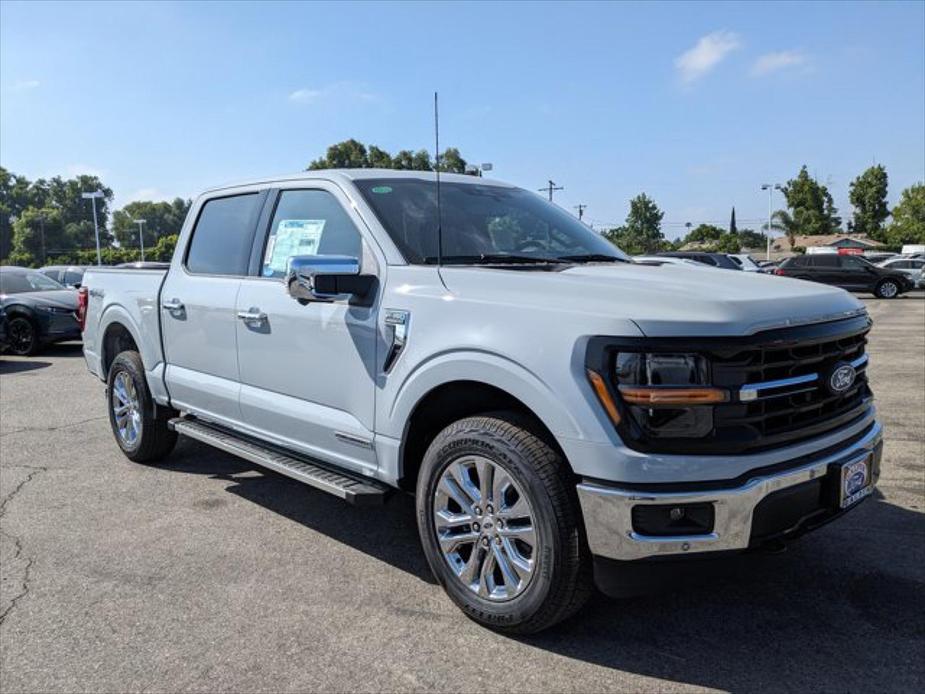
(824, 267)
(308, 371)
(198, 307)
(856, 274)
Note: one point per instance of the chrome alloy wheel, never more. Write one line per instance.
(126, 409)
(888, 290)
(484, 525)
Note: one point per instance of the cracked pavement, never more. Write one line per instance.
(205, 574)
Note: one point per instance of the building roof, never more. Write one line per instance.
(862, 241)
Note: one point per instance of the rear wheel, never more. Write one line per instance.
(23, 336)
(500, 525)
(138, 423)
(887, 289)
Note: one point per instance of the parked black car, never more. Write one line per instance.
(68, 275)
(720, 260)
(39, 310)
(848, 272)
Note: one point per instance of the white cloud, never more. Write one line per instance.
(772, 62)
(337, 92)
(305, 96)
(706, 54)
(26, 84)
(152, 194)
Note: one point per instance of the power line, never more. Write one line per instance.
(550, 188)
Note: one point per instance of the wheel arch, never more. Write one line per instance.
(451, 401)
(116, 337)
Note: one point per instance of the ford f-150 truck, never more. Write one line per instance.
(558, 412)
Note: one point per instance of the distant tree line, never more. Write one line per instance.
(47, 222)
(351, 154)
(810, 211)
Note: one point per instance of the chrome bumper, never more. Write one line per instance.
(608, 510)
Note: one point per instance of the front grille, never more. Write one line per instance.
(802, 405)
(777, 381)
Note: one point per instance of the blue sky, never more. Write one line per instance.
(696, 104)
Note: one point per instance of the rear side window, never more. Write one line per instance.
(73, 277)
(224, 234)
(705, 259)
(825, 260)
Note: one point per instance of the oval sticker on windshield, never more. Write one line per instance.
(381, 189)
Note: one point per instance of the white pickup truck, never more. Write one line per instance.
(559, 412)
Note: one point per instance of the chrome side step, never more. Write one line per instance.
(352, 489)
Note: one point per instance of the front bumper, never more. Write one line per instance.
(608, 510)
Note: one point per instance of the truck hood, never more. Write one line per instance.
(663, 300)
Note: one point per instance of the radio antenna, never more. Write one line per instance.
(437, 167)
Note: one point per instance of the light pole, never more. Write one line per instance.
(96, 229)
(141, 238)
(770, 187)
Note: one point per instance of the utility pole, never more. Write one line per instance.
(550, 188)
(581, 210)
(770, 187)
(141, 237)
(92, 197)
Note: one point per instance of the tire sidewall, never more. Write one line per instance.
(33, 346)
(520, 609)
(129, 363)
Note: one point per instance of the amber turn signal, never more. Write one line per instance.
(600, 389)
(672, 396)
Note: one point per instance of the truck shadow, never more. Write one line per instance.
(388, 533)
(839, 609)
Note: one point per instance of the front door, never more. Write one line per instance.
(198, 308)
(308, 371)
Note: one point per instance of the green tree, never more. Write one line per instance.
(642, 232)
(812, 208)
(728, 243)
(752, 239)
(15, 196)
(161, 219)
(37, 234)
(351, 154)
(702, 233)
(867, 194)
(163, 250)
(908, 225)
(788, 224)
(732, 222)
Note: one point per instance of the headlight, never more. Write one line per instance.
(660, 395)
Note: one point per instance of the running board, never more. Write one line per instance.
(355, 490)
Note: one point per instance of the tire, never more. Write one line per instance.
(887, 289)
(22, 336)
(551, 577)
(140, 416)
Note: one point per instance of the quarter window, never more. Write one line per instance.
(308, 222)
(223, 237)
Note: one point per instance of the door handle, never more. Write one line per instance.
(253, 316)
(174, 306)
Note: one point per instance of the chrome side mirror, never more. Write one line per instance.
(321, 277)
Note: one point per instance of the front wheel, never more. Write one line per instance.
(500, 525)
(887, 289)
(138, 423)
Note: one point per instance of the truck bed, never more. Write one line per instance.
(130, 297)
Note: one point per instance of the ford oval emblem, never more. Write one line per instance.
(841, 378)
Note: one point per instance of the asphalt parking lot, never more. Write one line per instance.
(205, 574)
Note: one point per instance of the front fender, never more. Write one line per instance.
(480, 367)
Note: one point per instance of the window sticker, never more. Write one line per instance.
(381, 190)
(293, 237)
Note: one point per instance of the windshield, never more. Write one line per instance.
(19, 282)
(481, 224)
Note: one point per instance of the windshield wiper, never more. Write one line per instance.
(498, 259)
(592, 258)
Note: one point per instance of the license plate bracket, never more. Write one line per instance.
(855, 481)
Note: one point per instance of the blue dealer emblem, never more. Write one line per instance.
(841, 378)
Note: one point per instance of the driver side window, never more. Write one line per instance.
(308, 222)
